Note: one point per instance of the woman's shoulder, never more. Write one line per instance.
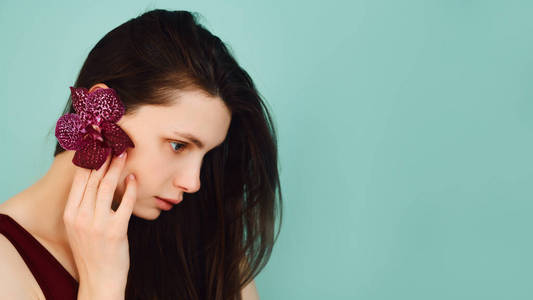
(15, 265)
(15, 276)
(16, 279)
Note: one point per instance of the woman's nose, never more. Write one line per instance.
(188, 178)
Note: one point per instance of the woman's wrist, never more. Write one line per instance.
(101, 292)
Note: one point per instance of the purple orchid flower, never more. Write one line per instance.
(92, 132)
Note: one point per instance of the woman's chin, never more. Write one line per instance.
(147, 213)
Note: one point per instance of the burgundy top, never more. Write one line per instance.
(55, 281)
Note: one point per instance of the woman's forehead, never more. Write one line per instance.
(206, 118)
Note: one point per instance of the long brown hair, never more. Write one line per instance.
(219, 238)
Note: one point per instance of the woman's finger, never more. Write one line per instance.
(87, 205)
(126, 205)
(79, 182)
(108, 185)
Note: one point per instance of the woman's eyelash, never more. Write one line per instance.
(180, 149)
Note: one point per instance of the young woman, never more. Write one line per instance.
(201, 137)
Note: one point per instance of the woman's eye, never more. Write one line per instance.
(180, 148)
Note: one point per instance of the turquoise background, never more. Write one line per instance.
(405, 133)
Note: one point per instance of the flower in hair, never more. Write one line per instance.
(92, 131)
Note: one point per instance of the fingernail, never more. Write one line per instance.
(131, 177)
(122, 154)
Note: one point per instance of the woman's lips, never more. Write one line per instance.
(171, 201)
(165, 205)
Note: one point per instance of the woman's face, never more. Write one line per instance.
(165, 161)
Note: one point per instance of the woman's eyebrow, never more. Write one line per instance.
(194, 139)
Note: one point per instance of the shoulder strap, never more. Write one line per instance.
(55, 281)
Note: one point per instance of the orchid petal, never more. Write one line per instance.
(97, 106)
(92, 154)
(104, 105)
(69, 131)
(115, 138)
(79, 98)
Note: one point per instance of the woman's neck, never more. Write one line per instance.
(40, 207)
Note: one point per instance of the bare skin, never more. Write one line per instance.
(165, 165)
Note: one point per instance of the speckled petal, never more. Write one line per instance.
(115, 138)
(79, 99)
(97, 106)
(68, 131)
(105, 105)
(92, 154)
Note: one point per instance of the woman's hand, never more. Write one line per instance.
(96, 233)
